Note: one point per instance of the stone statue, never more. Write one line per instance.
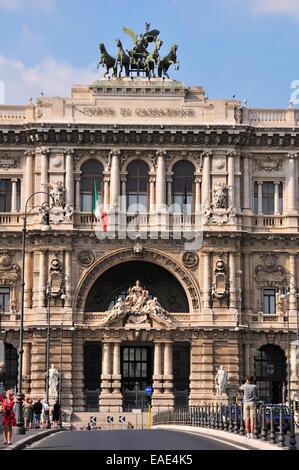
(220, 197)
(221, 381)
(57, 192)
(53, 381)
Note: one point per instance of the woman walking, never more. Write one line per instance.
(28, 414)
(8, 417)
(56, 414)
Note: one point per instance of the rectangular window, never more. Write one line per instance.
(268, 198)
(4, 299)
(256, 198)
(5, 195)
(270, 301)
(280, 198)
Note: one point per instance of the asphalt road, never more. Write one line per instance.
(128, 440)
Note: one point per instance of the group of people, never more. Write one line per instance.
(36, 415)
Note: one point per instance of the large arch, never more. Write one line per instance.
(270, 371)
(181, 274)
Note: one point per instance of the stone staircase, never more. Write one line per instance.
(139, 421)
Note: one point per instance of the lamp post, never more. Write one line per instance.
(284, 294)
(68, 313)
(238, 328)
(45, 209)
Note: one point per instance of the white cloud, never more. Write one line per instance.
(289, 7)
(21, 4)
(51, 77)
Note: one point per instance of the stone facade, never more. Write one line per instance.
(244, 192)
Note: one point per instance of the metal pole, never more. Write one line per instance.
(60, 381)
(289, 365)
(19, 404)
(48, 340)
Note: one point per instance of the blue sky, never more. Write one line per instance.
(244, 47)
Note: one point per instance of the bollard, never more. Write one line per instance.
(264, 429)
(272, 429)
(230, 427)
(242, 427)
(255, 431)
(200, 416)
(292, 439)
(216, 422)
(236, 428)
(281, 436)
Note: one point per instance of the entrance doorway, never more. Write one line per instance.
(137, 373)
(8, 381)
(92, 374)
(270, 373)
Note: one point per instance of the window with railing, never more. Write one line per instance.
(138, 187)
(183, 186)
(269, 307)
(91, 175)
(4, 299)
(268, 200)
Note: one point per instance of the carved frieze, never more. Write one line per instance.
(8, 161)
(268, 164)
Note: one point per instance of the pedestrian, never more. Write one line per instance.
(8, 417)
(28, 413)
(45, 414)
(37, 411)
(56, 414)
(249, 404)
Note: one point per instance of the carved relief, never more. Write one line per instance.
(9, 161)
(268, 164)
(270, 274)
(220, 281)
(190, 259)
(9, 276)
(86, 258)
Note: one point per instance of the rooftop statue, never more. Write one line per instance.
(138, 59)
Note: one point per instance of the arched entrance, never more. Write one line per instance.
(270, 373)
(115, 282)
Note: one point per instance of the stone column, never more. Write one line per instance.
(115, 180)
(27, 367)
(68, 272)
(294, 370)
(169, 191)
(168, 374)
(69, 177)
(206, 281)
(201, 372)
(28, 179)
(14, 195)
(106, 193)
(206, 180)
(78, 196)
(260, 198)
(231, 178)
(78, 373)
(42, 278)
(105, 397)
(232, 280)
(161, 181)
(276, 199)
(124, 194)
(116, 396)
(246, 184)
(246, 281)
(152, 194)
(293, 284)
(157, 369)
(197, 194)
(44, 175)
(291, 182)
(28, 273)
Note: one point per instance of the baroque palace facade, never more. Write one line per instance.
(202, 201)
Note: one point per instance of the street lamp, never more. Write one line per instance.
(284, 294)
(45, 209)
(68, 315)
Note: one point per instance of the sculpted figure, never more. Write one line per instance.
(221, 381)
(53, 381)
(220, 200)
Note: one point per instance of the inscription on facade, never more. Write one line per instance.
(140, 112)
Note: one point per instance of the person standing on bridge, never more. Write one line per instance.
(249, 403)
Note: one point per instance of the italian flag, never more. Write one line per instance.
(97, 208)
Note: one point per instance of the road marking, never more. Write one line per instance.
(213, 438)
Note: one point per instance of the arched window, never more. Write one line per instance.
(270, 373)
(137, 187)
(91, 172)
(183, 186)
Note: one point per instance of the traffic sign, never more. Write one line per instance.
(122, 419)
(136, 412)
(149, 390)
(110, 419)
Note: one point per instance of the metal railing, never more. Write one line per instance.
(272, 423)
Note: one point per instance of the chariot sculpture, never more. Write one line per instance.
(139, 60)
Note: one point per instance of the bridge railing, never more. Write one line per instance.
(272, 423)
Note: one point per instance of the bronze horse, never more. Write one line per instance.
(166, 62)
(153, 58)
(107, 61)
(122, 59)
